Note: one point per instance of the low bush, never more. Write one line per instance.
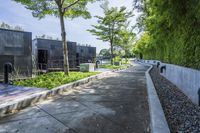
(109, 66)
(53, 79)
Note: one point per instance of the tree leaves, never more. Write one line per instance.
(110, 26)
(70, 8)
(173, 28)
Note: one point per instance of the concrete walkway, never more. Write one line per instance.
(115, 104)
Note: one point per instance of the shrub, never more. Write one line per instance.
(53, 79)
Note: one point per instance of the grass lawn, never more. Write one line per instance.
(53, 79)
(109, 66)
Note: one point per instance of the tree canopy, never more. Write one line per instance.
(171, 31)
(127, 38)
(109, 26)
(105, 53)
(69, 8)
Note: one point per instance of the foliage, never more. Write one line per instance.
(126, 61)
(171, 31)
(105, 53)
(109, 25)
(69, 8)
(61, 9)
(117, 58)
(9, 27)
(127, 38)
(53, 79)
(142, 45)
(109, 66)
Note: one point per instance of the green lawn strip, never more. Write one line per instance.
(109, 66)
(126, 61)
(53, 79)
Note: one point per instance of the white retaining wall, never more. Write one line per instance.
(186, 79)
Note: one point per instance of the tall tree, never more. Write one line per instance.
(109, 25)
(127, 39)
(61, 9)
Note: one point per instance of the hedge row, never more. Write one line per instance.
(172, 32)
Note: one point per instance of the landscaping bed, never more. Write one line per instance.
(109, 66)
(182, 115)
(53, 79)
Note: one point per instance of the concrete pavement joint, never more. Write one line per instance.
(115, 123)
(6, 121)
(69, 128)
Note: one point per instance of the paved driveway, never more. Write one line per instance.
(115, 104)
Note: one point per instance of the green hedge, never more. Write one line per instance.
(172, 32)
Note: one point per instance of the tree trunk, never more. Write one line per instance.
(111, 42)
(126, 54)
(64, 42)
(111, 49)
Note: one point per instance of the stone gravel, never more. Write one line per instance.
(182, 115)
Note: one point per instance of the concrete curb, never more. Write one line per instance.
(23, 102)
(157, 116)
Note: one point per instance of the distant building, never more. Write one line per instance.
(15, 47)
(49, 54)
(86, 54)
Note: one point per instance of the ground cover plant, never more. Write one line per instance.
(109, 66)
(53, 79)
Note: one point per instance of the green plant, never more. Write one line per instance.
(109, 66)
(117, 58)
(53, 79)
(172, 32)
(125, 61)
(109, 26)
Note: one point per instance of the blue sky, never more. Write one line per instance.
(15, 14)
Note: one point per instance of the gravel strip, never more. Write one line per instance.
(182, 115)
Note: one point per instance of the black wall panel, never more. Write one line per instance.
(16, 47)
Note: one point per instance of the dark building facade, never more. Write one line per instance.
(15, 47)
(86, 54)
(49, 54)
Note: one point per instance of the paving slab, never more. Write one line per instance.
(9, 92)
(61, 106)
(115, 104)
(28, 113)
(90, 122)
(45, 124)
